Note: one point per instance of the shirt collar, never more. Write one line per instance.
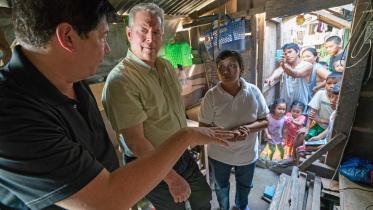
(33, 81)
(132, 57)
(137, 61)
(243, 87)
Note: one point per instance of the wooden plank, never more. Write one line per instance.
(309, 196)
(316, 194)
(332, 19)
(330, 145)
(329, 184)
(289, 197)
(284, 202)
(295, 189)
(260, 27)
(354, 196)
(322, 170)
(282, 8)
(4, 3)
(351, 86)
(279, 192)
(302, 191)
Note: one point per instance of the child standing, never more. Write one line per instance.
(274, 132)
(294, 120)
(320, 107)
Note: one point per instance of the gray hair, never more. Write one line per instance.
(148, 7)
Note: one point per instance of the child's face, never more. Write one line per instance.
(334, 101)
(339, 66)
(280, 109)
(330, 82)
(296, 111)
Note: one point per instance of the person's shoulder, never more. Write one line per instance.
(306, 64)
(165, 63)
(120, 72)
(251, 88)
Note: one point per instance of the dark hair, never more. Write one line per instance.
(335, 75)
(314, 53)
(323, 63)
(337, 88)
(298, 104)
(229, 53)
(275, 104)
(35, 21)
(290, 46)
(335, 39)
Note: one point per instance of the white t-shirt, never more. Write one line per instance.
(222, 109)
(295, 89)
(321, 102)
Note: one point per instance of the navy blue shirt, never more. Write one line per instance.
(51, 146)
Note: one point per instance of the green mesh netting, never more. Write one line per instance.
(178, 53)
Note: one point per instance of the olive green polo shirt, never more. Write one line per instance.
(136, 93)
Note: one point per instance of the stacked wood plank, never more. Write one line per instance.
(297, 192)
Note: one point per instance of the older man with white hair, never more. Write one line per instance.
(143, 102)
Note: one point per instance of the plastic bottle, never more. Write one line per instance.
(183, 79)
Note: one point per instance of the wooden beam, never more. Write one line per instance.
(330, 145)
(246, 13)
(321, 170)
(332, 19)
(281, 8)
(209, 7)
(5, 3)
(282, 182)
(316, 194)
(260, 27)
(351, 85)
(5, 47)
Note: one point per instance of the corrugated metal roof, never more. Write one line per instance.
(171, 7)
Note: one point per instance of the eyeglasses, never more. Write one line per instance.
(230, 67)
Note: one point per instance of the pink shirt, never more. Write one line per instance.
(291, 127)
(275, 129)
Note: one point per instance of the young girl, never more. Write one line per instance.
(274, 131)
(294, 120)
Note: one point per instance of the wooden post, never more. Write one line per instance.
(5, 47)
(259, 37)
(351, 86)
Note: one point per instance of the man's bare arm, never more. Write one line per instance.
(141, 146)
(126, 185)
(276, 74)
(304, 72)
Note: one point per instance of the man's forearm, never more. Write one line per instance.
(257, 125)
(277, 73)
(144, 149)
(134, 180)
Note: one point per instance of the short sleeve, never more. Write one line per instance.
(301, 119)
(122, 102)
(39, 162)
(316, 100)
(206, 113)
(263, 110)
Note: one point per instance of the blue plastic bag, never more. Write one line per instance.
(357, 170)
